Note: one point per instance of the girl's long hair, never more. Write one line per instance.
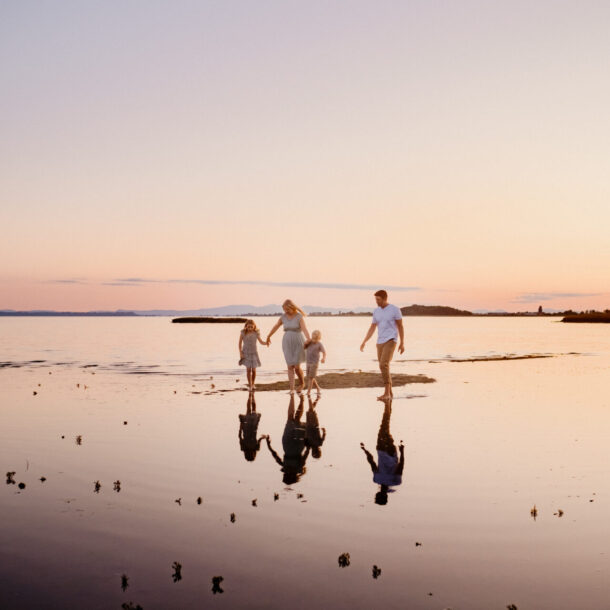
(295, 308)
(255, 329)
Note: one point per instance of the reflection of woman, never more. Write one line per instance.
(293, 443)
(293, 320)
(313, 438)
(387, 471)
(248, 425)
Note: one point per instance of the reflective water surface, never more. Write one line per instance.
(144, 483)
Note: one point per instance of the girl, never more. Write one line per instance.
(248, 354)
(293, 321)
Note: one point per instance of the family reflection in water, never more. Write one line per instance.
(300, 439)
(387, 471)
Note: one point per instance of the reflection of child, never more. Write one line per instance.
(313, 350)
(248, 425)
(313, 438)
(248, 354)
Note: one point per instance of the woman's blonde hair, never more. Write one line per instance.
(255, 329)
(293, 307)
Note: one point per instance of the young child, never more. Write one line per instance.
(248, 354)
(313, 350)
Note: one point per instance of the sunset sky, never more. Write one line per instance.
(192, 154)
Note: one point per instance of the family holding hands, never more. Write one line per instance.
(299, 347)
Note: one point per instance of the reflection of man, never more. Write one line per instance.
(387, 471)
(388, 320)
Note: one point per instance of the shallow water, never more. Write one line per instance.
(483, 444)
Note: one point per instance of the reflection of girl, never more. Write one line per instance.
(248, 425)
(293, 320)
(248, 354)
(387, 472)
(293, 443)
(313, 438)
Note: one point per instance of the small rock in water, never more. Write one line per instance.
(232, 517)
(42, 479)
(178, 501)
(299, 496)
(124, 423)
(124, 582)
(418, 544)
(9, 478)
(79, 439)
(97, 486)
(560, 513)
(276, 497)
(199, 500)
(177, 575)
(216, 580)
(21, 485)
(534, 512)
(35, 392)
(344, 560)
(376, 572)
(511, 607)
(117, 486)
(254, 502)
(130, 606)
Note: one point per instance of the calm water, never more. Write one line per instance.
(483, 444)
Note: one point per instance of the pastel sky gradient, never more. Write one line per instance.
(457, 151)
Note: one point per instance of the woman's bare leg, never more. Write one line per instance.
(299, 372)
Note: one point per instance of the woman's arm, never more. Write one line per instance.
(304, 328)
(277, 325)
(273, 453)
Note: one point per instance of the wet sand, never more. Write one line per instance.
(360, 379)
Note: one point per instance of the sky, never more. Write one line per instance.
(191, 154)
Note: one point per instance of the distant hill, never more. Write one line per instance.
(433, 310)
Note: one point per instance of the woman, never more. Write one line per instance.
(293, 342)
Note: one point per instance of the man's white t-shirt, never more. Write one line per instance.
(385, 319)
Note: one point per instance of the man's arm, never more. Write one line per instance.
(369, 334)
(401, 334)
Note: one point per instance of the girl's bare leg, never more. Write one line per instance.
(317, 386)
(249, 375)
(253, 377)
(309, 386)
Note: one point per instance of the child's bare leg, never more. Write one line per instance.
(291, 378)
(309, 385)
(249, 376)
(253, 377)
(315, 381)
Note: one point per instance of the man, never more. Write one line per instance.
(388, 320)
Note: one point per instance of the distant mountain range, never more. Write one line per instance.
(269, 310)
